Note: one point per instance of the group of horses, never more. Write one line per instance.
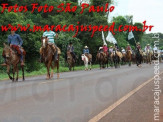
(115, 58)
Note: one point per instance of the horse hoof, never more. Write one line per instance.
(47, 78)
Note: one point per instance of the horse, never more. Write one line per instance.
(70, 61)
(12, 59)
(102, 58)
(129, 57)
(115, 58)
(139, 57)
(148, 56)
(144, 57)
(124, 58)
(133, 57)
(86, 61)
(48, 58)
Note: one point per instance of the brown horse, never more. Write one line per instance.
(149, 56)
(102, 58)
(48, 58)
(129, 57)
(70, 60)
(12, 59)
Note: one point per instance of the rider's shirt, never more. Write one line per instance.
(85, 51)
(147, 48)
(123, 51)
(15, 39)
(138, 46)
(70, 48)
(111, 50)
(50, 35)
(128, 48)
(105, 49)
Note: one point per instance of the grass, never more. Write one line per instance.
(42, 71)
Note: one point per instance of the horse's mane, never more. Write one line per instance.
(7, 47)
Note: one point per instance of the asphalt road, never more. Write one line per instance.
(75, 97)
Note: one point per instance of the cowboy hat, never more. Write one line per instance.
(85, 47)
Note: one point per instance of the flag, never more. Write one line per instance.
(130, 35)
(103, 38)
(110, 38)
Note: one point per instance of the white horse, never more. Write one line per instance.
(86, 61)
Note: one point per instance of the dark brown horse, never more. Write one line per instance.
(48, 58)
(116, 59)
(70, 60)
(129, 57)
(12, 59)
(102, 58)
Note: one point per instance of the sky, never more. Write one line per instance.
(149, 10)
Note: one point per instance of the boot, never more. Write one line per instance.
(4, 64)
(22, 63)
(56, 56)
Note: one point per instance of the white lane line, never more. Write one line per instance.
(113, 106)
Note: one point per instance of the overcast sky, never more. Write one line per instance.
(149, 10)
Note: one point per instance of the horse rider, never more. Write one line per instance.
(101, 50)
(105, 49)
(148, 47)
(110, 49)
(15, 42)
(70, 48)
(86, 52)
(138, 45)
(123, 50)
(116, 47)
(128, 48)
(50, 36)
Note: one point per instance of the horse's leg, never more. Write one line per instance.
(87, 66)
(73, 66)
(52, 70)
(90, 65)
(8, 72)
(13, 71)
(58, 76)
(17, 71)
(22, 72)
(48, 73)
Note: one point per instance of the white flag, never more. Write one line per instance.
(130, 35)
(103, 38)
(110, 38)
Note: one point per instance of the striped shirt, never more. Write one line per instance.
(50, 35)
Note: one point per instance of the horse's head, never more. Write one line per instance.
(148, 51)
(44, 41)
(83, 57)
(114, 53)
(6, 51)
(68, 54)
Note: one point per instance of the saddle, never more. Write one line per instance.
(89, 56)
(119, 54)
(18, 50)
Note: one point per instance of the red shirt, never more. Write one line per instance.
(105, 49)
